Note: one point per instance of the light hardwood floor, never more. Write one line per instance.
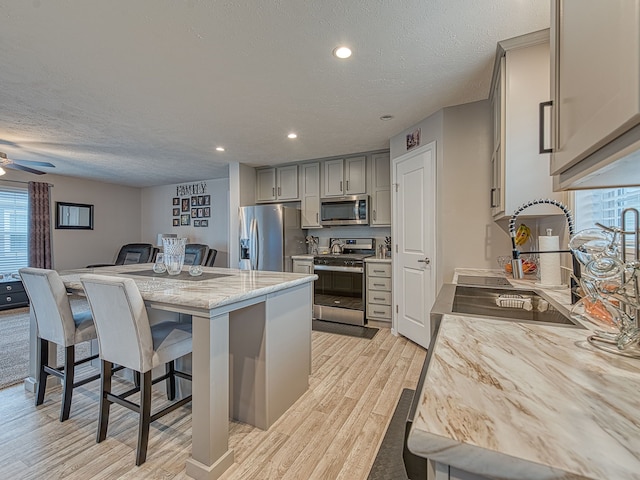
(332, 432)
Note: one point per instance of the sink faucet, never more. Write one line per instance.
(516, 261)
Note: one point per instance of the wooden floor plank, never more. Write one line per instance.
(333, 431)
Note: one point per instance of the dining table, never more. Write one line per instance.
(251, 357)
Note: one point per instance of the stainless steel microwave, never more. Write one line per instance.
(349, 210)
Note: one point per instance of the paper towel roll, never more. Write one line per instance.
(550, 262)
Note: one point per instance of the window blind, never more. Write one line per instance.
(604, 206)
(13, 230)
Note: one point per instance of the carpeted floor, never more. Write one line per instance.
(344, 329)
(14, 344)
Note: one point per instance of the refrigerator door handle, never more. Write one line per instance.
(253, 245)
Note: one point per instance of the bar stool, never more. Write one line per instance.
(126, 338)
(57, 323)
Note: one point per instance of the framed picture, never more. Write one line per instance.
(176, 222)
(207, 199)
(196, 223)
(413, 139)
(204, 223)
(194, 212)
(200, 212)
(185, 219)
(185, 204)
(176, 200)
(206, 212)
(176, 212)
(200, 200)
(194, 201)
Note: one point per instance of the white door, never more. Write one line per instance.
(413, 228)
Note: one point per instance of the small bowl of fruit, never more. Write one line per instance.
(529, 264)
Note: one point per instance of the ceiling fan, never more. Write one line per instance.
(18, 165)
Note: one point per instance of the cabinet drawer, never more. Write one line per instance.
(379, 270)
(379, 283)
(13, 299)
(378, 311)
(379, 297)
(11, 287)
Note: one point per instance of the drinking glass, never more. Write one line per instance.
(159, 266)
(590, 243)
(174, 254)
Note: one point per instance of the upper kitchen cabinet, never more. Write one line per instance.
(596, 93)
(520, 172)
(277, 184)
(380, 190)
(310, 195)
(345, 177)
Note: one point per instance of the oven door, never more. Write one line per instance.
(339, 294)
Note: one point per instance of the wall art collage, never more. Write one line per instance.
(193, 209)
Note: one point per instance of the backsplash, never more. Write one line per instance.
(324, 234)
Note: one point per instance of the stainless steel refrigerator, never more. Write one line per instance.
(269, 236)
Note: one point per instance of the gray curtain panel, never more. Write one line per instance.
(39, 228)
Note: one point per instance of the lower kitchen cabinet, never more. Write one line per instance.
(12, 295)
(378, 293)
(303, 265)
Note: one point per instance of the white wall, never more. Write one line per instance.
(117, 215)
(465, 231)
(157, 217)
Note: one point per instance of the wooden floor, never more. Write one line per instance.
(332, 432)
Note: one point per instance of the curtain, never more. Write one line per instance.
(39, 225)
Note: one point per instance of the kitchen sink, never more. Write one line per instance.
(500, 303)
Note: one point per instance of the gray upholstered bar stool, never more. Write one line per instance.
(126, 338)
(57, 323)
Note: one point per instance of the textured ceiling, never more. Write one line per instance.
(140, 93)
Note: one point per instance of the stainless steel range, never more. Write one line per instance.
(339, 292)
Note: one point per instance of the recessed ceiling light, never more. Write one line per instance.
(342, 52)
(292, 136)
(220, 149)
(384, 118)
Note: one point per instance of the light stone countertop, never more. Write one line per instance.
(515, 400)
(234, 286)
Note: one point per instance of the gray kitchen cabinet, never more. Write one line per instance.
(596, 93)
(519, 172)
(277, 184)
(378, 293)
(380, 190)
(345, 176)
(301, 265)
(310, 195)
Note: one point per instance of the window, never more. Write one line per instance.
(13, 230)
(604, 206)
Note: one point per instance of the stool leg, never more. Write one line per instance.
(43, 346)
(145, 417)
(68, 379)
(105, 388)
(170, 369)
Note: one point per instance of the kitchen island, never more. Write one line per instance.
(251, 346)
(512, 400)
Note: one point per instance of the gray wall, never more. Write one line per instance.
(158, 217)
(466, 234)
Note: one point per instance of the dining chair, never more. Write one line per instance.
(56, 322)
(211, 257)
(125, 337)
(131, 253)
(195, 253)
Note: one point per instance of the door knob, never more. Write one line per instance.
(426, 261)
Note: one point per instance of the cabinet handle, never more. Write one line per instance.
(8, 299)
(381, 284)
(374, 215)
(9, 288)
(347, 185)
(378, 312)
(340, 185)
(543, 105)
(378, 298)
(273, 191)
(493, 196)
(279, 191)
(378, 271)
(317, 217)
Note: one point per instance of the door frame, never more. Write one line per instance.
(435, 263)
